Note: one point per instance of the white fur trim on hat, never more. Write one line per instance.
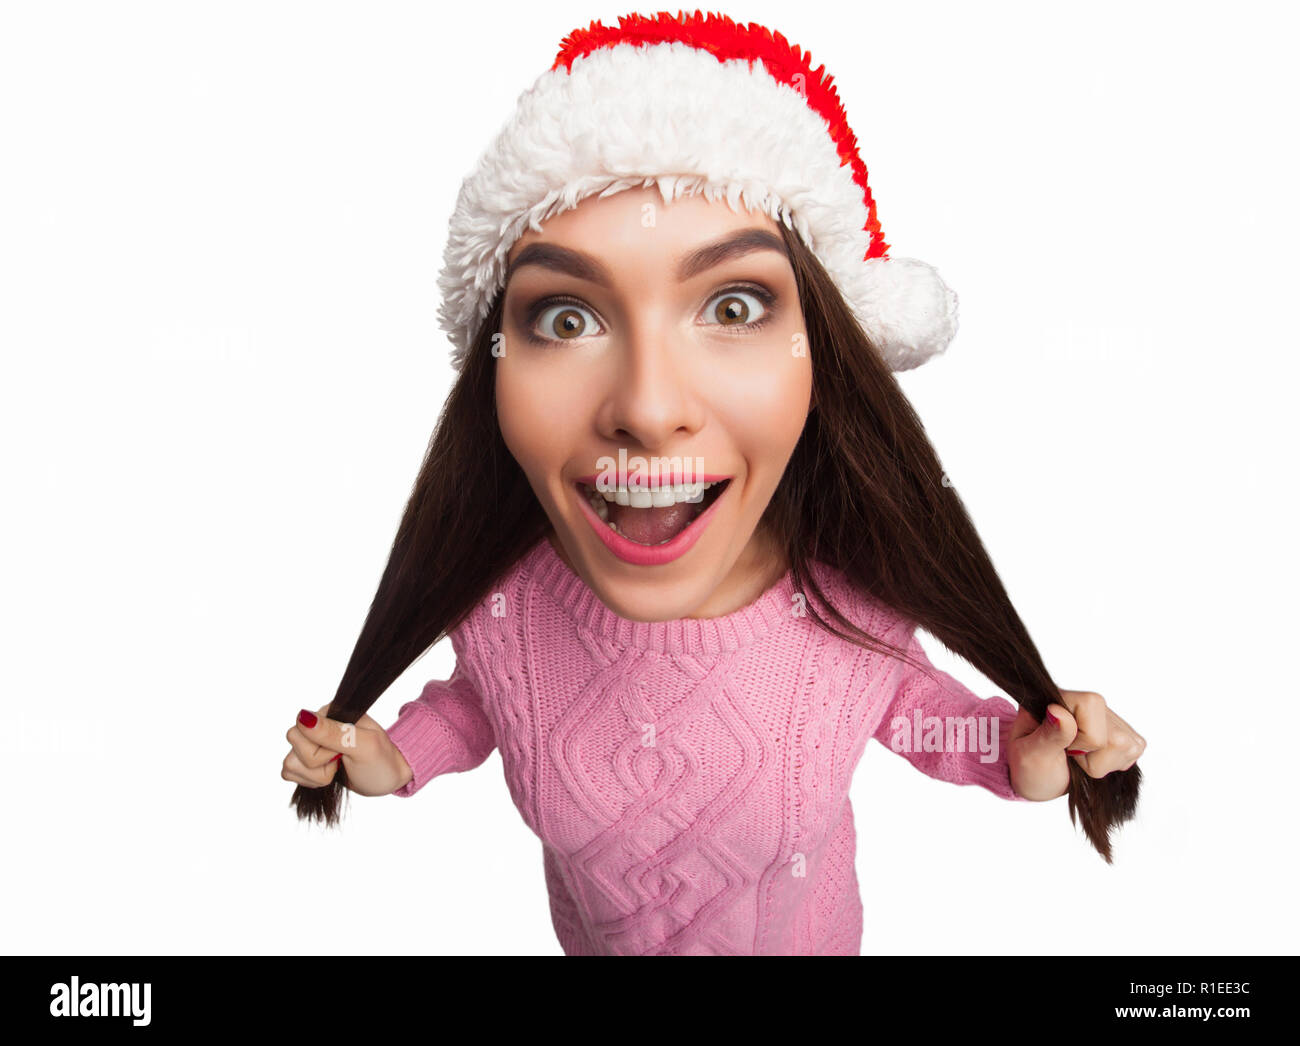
(674, 116)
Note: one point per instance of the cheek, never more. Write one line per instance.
(767, 407)
(533, 417)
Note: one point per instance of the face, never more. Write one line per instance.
(641, 354)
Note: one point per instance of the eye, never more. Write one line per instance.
(564, 322)
(735, 308)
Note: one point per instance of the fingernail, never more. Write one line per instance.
(1053, 720)
(1075, 751)
(339, 756)
(306, 718)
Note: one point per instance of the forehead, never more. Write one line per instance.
(638, 218)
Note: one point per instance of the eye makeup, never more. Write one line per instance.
(770, 301)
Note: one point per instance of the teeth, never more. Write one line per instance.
(655, 497)
(658, 497)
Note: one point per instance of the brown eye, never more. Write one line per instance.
(737, 309)
(731, 310)
(565, 322)
(568, 324)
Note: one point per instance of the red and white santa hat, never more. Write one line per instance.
(693, 104)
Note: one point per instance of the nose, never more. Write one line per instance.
(653, 401)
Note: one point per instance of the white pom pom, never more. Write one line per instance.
(909, 311)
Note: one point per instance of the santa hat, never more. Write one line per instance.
(692, 104)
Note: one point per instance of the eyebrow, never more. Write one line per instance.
(583, 266)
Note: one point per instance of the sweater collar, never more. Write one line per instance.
(713, 635)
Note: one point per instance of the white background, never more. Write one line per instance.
(220, 229)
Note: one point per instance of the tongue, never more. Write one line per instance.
(650, 526)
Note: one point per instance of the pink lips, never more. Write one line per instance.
(649, 555)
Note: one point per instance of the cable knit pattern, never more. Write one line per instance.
(688, 779)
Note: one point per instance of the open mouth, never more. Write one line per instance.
(652, 516)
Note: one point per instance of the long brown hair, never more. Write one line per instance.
(863, 492)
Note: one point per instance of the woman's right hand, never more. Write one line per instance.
(374, 765)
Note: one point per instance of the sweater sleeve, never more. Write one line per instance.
(444, 730)
(966, 754)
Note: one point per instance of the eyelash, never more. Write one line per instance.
(761, 293)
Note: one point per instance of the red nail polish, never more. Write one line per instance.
(306, 718)
(1075, 751)
(339, 756)
(1053, 720)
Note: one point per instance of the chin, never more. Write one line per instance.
(670, 589)
(632, 594)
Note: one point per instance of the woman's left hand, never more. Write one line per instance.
(1081, 728)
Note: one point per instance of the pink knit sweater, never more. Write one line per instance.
(689, 779)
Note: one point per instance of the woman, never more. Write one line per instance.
(681, 523)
